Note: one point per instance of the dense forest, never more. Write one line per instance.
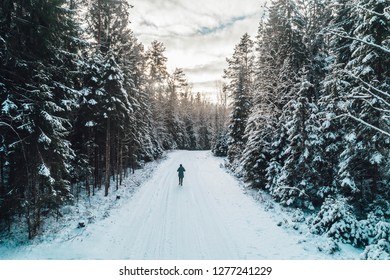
(310, 119)
(83, 103)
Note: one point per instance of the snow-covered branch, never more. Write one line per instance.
(376, 108)
(364, 122)
(369, 85)
(378, 97)
(295, 188)
(21, 141)
(344, 35)
(370, 89)
(386, 11)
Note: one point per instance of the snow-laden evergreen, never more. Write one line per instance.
(39, 67)
(239, 76)
(317, 135)
(82, 104)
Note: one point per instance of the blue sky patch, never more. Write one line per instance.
(204, 30)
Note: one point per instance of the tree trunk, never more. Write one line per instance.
(87, 187)
(126, 164)
(2, 181)
(117, 164)
(108, 136)
(120, 163)
(96, 165)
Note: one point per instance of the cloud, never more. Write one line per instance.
(148, 24)
(198, 35)
(204, 30)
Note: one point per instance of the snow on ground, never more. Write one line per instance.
(212, 216)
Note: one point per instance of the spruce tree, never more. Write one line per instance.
(262, 118)
(220, 139)
(110, 88)
(156, 78)
(41, 46)
(177, 90)
(299, 175)
(280, 58)
(366, 112)
(239, 76)
(148, 145)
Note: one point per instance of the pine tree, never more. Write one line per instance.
(203, 122)
(220, 139)
(367, 127)
(148, 145)
(261, 121)
(116, 110)
(157, 75)
(284, 43)
(299, 175)
(187, 114)
(239, 76)
(177, 88)
(39, 73)
(332, 90)
(280, 58)
(109, 86)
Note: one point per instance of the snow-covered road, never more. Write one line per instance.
(209, 217)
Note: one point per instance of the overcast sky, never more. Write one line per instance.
(198, 34)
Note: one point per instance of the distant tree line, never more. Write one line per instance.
(82, 103)
(310, 113)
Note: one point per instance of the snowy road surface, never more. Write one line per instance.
(209, 217)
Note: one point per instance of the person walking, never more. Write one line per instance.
(181, 171)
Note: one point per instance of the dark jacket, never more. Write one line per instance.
(181, 171)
